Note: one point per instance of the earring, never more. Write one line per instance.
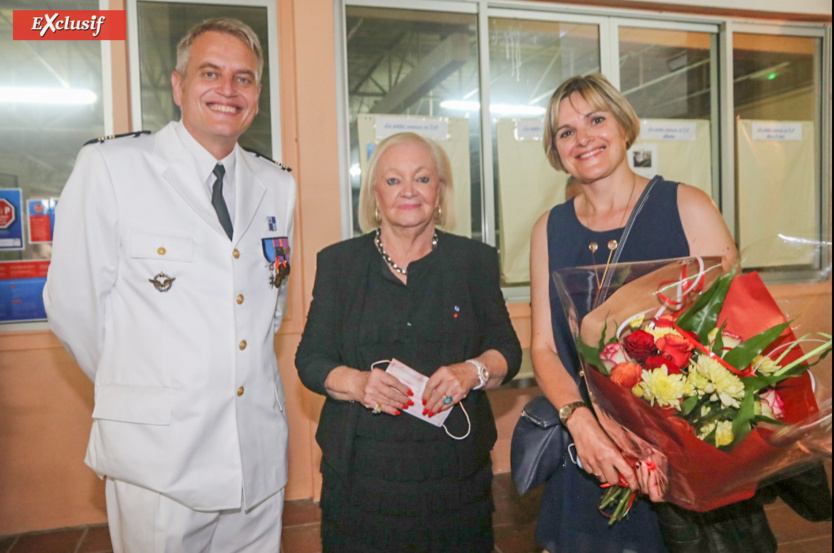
(376, 216)
(438, 214)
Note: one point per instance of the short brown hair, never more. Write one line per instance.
(367, 199)
(225, 25)
(601, 95)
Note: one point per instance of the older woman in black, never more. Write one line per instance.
(394, 482)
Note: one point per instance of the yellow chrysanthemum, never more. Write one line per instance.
(765, 365)
(697, 383)
(660, 331)
(637, 390)
(722, 384)
(662, 388)
(706, 430)
(637, 322)
(724, 433)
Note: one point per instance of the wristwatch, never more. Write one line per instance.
(483, 373)
(567, 410)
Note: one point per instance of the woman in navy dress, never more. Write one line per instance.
(589, 128)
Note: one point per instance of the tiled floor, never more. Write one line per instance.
(515, 522)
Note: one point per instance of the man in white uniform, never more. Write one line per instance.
(167, 284)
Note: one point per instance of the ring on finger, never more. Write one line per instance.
(377, 409)
(447, 400)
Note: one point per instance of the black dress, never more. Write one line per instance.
(568, 519)
(408, 485)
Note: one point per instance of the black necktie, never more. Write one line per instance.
(218, 202)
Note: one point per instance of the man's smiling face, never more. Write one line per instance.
(219, 92)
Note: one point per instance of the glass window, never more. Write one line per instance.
(414, 70)
(528, 60)
(50, 104)
(161, 26)
(777, 108)
(668, 76)
(420, 69)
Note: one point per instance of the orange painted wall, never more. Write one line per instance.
(45, 400)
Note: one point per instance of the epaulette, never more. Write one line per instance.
(101, 139)
(259, 154)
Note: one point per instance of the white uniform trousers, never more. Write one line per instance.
(144, 521)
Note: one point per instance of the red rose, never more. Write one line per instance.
(676, 348)
(657, 361)
(639, 345)
(627, 375)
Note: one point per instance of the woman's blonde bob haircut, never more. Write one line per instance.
(601, 96)
(444, 217)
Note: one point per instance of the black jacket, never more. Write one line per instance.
(471, 281)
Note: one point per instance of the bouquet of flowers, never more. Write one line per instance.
(698, 374)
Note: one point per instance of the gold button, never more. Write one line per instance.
(242, 345)
(236, 253)
(161, 251)
(240, 391)
(239, 299)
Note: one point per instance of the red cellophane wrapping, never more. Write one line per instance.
(701, 477)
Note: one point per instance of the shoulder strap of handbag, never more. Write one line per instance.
(638, 207)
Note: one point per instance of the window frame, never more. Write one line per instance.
(823, 140)
(107, 102)
(610, 20)
(271, 46)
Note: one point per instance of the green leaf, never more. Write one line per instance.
(762, 418)
(602, 336)
(743, 354)
(703, 315)
(590, 355)
(743, 422)
(689, 404)
(718, 346)
(755, 383)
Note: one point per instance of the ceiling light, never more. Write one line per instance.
(57, 96)
(497, 109)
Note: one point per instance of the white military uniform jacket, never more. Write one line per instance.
(188, 399)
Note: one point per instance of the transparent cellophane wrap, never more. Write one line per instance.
(698, 475)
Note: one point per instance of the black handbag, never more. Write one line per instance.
(539, 445)
(540, 442)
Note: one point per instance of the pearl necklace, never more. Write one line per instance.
(387, 258)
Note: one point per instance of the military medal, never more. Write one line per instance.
(277, 253)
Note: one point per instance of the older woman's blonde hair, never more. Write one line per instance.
(444, 216)
(601, 95)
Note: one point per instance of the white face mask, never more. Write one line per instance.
(416, 382)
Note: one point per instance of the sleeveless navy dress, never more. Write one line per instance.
(568, 518)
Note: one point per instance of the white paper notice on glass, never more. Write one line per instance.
(777, 130)
(416, 382)
(668, 129)
(436, 128)
(529, 128)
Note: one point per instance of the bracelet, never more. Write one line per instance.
(483, 373)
